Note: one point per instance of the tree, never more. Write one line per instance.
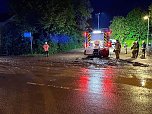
(83, 12)
(130, 28)
(47, 18)
(52, 15)
(118, 27)
(137, 26)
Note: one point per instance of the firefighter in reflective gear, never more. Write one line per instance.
(137, 49)
(134, 50)
(143, 49)
(117, 49)
(46, 49)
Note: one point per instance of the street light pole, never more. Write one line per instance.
(98, 14)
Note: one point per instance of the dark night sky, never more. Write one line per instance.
(111, 8)
(4, 6)
(118, 7)
(108, 8)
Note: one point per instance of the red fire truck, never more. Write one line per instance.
(97, 44)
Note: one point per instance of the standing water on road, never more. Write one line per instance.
(93, 86)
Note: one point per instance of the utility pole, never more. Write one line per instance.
(98, 14)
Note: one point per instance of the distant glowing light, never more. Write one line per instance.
(27, 34)
(96, 32)
(146, 17)
(143, 83)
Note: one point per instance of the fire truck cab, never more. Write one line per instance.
(96, 44)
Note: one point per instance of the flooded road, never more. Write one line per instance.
(68, 84)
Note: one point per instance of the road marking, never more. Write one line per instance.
(61, 87)
(52, 80)
(31, 83)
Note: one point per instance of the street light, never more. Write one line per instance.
(147, 18)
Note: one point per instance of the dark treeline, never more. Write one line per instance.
(59, 22)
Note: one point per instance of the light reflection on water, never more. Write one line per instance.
(143, 82)
(97, 80)
(109, 87)
(99, 85)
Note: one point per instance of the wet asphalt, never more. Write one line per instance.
(70, 83)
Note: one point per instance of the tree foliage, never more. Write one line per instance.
(132, 27)
(54, 15)
(83, 12)
(47, 19)
(118, 27)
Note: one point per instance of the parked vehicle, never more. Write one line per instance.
(96, 44)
